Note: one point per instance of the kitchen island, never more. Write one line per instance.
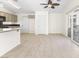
(9, 39)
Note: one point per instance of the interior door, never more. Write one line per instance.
(24, 24)
(31, 25)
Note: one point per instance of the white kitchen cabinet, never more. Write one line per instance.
(9, 39)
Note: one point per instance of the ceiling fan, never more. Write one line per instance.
(50, 4)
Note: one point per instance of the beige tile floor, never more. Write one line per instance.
(44, 46)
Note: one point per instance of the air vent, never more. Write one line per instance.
(15, 0)
(31, 16)
(58, 0)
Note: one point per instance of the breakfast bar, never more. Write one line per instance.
(9, 39)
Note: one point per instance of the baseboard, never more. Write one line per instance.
(48, 33)
(57, 33)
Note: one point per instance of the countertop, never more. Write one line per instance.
(3, 30)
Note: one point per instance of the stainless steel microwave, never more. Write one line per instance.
(2, 18)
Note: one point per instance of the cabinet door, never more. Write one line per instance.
(12, 18)
(15, 18)
(1, 13)
(9, 17)
(6, 15)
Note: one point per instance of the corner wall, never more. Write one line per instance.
(57, 23)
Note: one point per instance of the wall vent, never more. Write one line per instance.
(31, 16)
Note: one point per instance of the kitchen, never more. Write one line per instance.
(9, 32)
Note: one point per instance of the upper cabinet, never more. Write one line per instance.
(1, 13)
(9, 17)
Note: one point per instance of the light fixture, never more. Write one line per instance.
(49, 6)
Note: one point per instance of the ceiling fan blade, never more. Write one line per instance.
(49, 2)
(56, 4)
(52, 7)
(45, 6)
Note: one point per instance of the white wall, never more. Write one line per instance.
(27, 24)
(41, 22)
(57, 23)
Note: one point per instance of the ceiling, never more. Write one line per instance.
(30, 6)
